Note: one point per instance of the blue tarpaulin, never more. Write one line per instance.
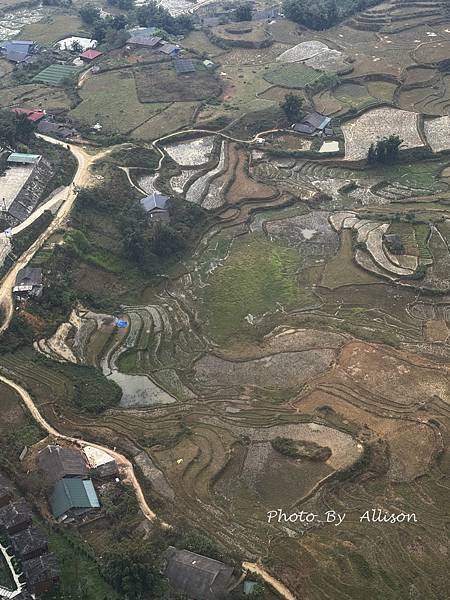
(121, 324)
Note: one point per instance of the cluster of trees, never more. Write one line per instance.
(323, 13)
(292, 107)
(109, 31)
(155, 15)
(243, 12)
(150, 246)
(63, 3)
(15, 129)
(122, 4)
(384, 151)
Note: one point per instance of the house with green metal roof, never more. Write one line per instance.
(72, 498)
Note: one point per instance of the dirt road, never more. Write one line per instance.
(67, 198)
(121, 460)
(274, 583)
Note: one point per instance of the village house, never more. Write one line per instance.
(90, 55)
(15, 517)
(169, 49)
(156, 207)
(101, 464)
(17, 51)
(41, 573)
(195, 576)
(144, 41)
(313, 124)
(22, 185)
(31, 114)
(58, 462)
(73, 498)
(28, 283)
(6, 490)
(29, 543)
(61, 131)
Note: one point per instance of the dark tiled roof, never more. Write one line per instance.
(168, 49)
(143, 40)
(58, 462)
(43, 568)
(15, 515)
(316, 120)
(153, 202)
(197, 576)
(56, 129)
(29, 276)
(29, 541)
(184, 65)
(304, 128)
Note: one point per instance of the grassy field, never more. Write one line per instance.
(257, 276)
(53, 27)
(80, 576)
(292, 75)
(199, 41)
(111, 99)
(423, 174)
(34, 95)
(161, 83)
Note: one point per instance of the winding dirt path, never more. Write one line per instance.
(274, 583)
(121, 460)
(67, 197)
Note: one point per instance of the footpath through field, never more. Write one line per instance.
(67, 197)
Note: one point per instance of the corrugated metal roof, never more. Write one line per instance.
(73, 493)
(17, 157)
(155, 201)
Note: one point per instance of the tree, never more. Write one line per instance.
(130, 567)
(243, 12)
(90, 14)
(76, 47)
(15, 128)
(385, 151)
(314, 15)
(292, 107)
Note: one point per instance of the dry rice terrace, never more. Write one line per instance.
(292, 317)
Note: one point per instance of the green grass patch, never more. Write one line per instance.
(422, 233)
(424, 174)
(257, 276)
(292, 75)
(80, 575)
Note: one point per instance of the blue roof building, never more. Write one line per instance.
(73, 497)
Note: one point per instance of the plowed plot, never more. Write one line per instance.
(437, 133)
(402, 379)
(160, 83)
(312, 234)
(273, 479)
(432, 52)
(285, 370)
(405, 462)
(376, 124)
(419, 75)
(244, 186)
